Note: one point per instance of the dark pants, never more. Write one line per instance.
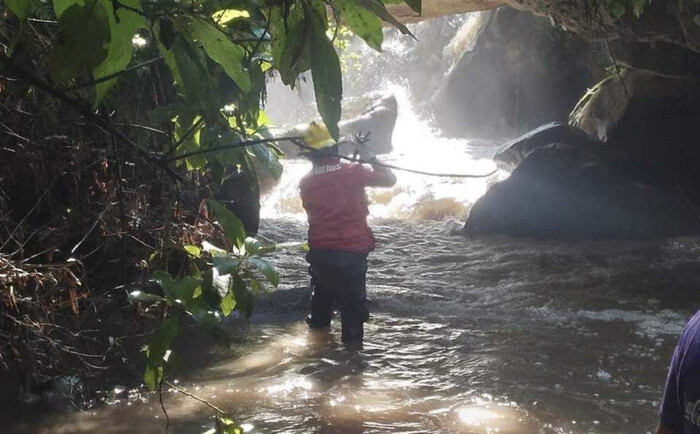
(339, 278)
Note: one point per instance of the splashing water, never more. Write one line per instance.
(411, 72)
(416, 146)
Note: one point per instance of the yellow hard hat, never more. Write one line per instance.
(317, 136)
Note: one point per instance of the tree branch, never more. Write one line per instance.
(75, 104)
(189, 132)
(233, 146)
(114, 75)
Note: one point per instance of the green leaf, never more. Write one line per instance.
(205, 316)
(638, 7)
(295, 57)
(267, 269)
(21, 8)
(616, 7)
(244, 300)
(158, 348)
(84, 32)
(220, 48)
(268, 159)
(191, 142)
(60, 6)
(211, 291)
(232, 226)
(363, 23)
(188, 65)
(228, 303)
(377, 8)
(252, 246)
(283, 246)
(193, 250)
(123, 25)
(152, 376)
(227, 15)
(192, 68)
(165, 36)
(263, 120)
(226, 425)
(182, 289)
(319, 8)
(416, 5)
(325, 71)
(144, 297)
(212, 249)
(162, 340)
(226, 264)
(278, 32)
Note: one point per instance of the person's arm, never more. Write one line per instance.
(381, 176)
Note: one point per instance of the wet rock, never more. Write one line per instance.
(243, 199)
(378, 118)
(284, 301)
(564, 192)
(518, 72)
(650, 125)
(515, 151)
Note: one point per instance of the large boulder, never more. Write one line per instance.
(651, 125)
(377, 118)
(513, 152)
(517, 72)
(565, 192)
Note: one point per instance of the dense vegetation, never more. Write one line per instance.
(133, 132)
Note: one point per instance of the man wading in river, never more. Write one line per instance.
(333, 195)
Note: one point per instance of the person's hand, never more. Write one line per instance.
(365, 152)
(362, 138)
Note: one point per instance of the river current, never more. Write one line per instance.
(476, 336)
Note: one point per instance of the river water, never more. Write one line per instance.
(467, 335)
(477, 336)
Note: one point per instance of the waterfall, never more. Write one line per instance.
(411, 71)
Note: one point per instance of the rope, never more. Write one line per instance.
(374, 162)
(296, 140)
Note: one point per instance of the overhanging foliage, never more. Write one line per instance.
(169, 96)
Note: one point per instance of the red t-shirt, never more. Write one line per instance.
(333, 195)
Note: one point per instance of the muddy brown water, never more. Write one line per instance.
(482, 336)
